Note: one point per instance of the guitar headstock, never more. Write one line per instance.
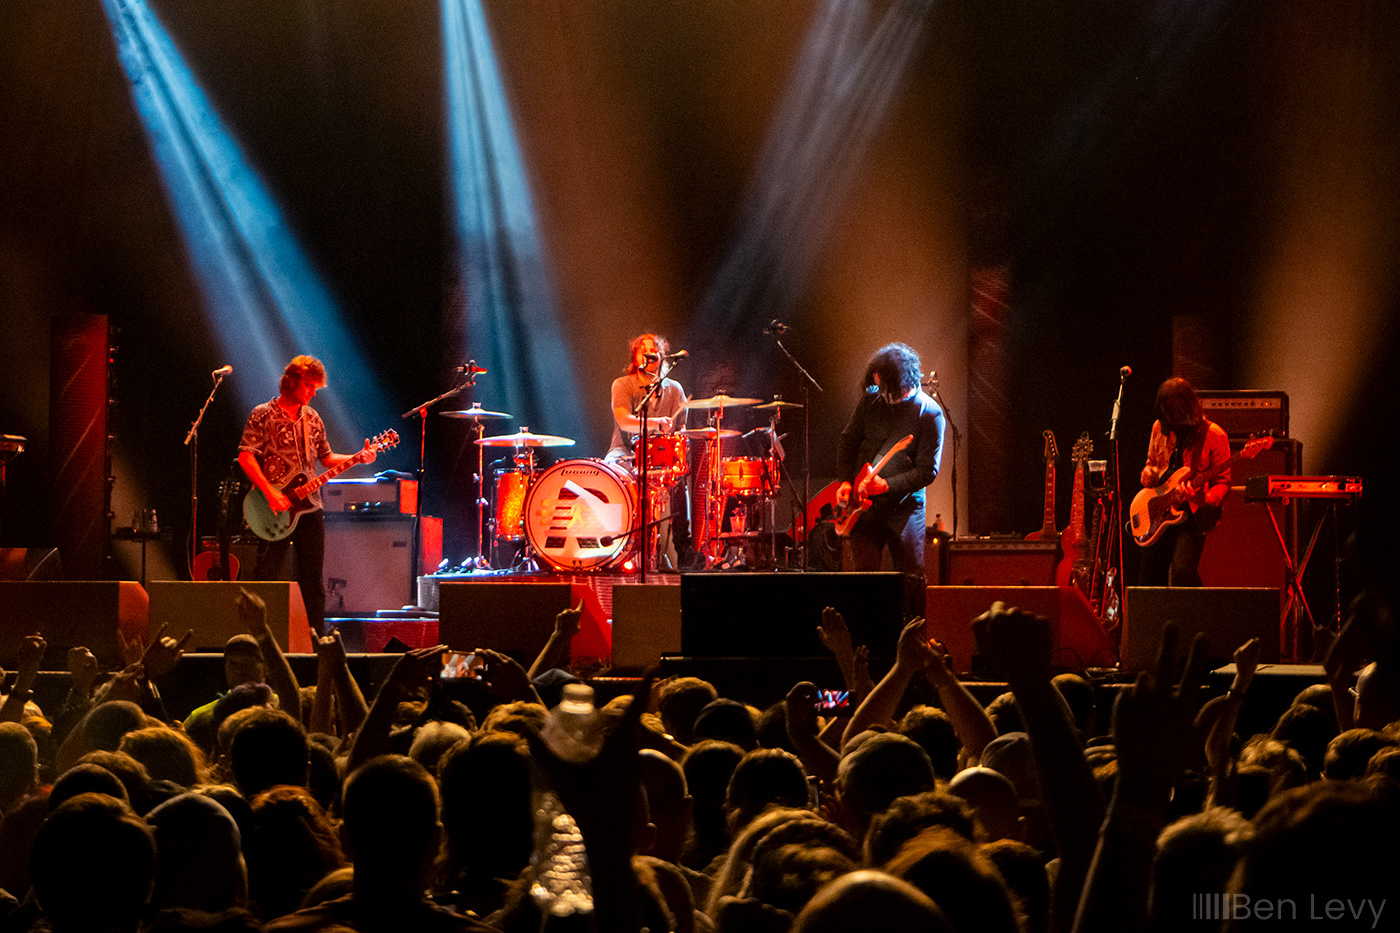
(1051, 451)
(385, 440)
(1254, 445)
(1083, 448)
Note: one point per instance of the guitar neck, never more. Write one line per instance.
(1047, 528)
(311, 485)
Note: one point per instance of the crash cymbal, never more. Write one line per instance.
(710, 433)
(524, 438)
(476, 413)
(721, 401)
(779, 404)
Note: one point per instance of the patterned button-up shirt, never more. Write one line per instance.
(286, 446)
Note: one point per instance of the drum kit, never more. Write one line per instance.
(584, 514)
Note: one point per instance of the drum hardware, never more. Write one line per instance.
(475, 413)
(710, 434)
(778, 404)
(469, 372)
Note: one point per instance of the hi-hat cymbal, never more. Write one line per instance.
(475, 413)
(721, 401)
(779, 404)
(526, 439)
(710, 433)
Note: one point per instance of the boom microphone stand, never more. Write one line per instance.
(776, 329)
(471, 371)
(192, 442)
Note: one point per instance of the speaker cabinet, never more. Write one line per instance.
(646, 624)
(1228, 616)
(1243, 549)
(776, 615)
(78, 438)
(76, 613)
(211, 609)
(1078, 641)
(516, 618)
(995, 562)
(369, 562)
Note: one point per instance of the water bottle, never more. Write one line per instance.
(561, 885)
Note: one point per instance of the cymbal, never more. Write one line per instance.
(526, 439)
(710, 433)
(779, 404)
(721, 401)
(475, 413)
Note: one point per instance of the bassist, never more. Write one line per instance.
(1182, 436)
(283, 439)
(892, 407)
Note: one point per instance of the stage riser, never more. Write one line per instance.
(1227, 616)
(70, 614)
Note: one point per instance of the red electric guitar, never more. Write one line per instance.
(1076, 566)
(859, 501)
(1047, 530)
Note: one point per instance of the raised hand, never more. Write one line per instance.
(912, 654)
(252, 611)
(504, 675)
(164, 653)
(1153, 721)
(1014, 643)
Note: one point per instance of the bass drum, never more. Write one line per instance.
(579, 512)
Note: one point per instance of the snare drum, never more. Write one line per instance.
(748, 477)
(511, 486)
(666, 453)
(578, 514)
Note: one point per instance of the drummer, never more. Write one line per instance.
(665, 415)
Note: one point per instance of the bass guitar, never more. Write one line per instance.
(1154, 510)
(274, 526)
(1076, 566)
(859, 502)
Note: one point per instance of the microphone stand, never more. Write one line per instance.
(1113, 574)
(663, 370)
(422, 412)
(957, 442)
(807, 384)
(192, 442)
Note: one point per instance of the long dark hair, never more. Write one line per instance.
(898, 367)
(1179, 410)
(662, 348)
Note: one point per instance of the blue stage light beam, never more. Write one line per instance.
(508, 318)
(265, 300)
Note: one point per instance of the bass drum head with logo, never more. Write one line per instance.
(578, 514)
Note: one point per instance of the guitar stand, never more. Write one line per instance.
(1297, 605)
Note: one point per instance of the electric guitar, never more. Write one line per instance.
(1047, 530)
(219, 564)
(1076, 567)
(859, 502)
(274, 526)
(1153, 510)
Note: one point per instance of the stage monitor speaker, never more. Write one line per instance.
(1078, 641)
(1243, 549)
(210, 607)
(516, 618)
(1228, 616)
(369, 561)
(999, 562)
(776, 615)
(71, 614)
(646, 624)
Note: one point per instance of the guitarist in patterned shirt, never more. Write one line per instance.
(1183, 436)
(892, 407)
(282, 439)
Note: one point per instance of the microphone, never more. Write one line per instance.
(775, 327)
(471, 369)
(650, 357)
(932, 381)
(1125, 372)
(222, 371)
(678, 355)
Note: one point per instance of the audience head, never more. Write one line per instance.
(391, 828)
(1005, 714)
(765, 777)
(128, 770)
(92, 865)
(87, 778)
(106, 723)
(1010, 754)
(933, 730)
(1308, 729)
(485, 787)
(1348, 754)
(518, 718)
(962, 881)
(870, 901)
(199, 855)
(668, 802)
(291, 846)
(269, 748)
(993, 799)
(908, 816)
(19, 764)
(1079, 697)
(167, 754)
(1022, 867)
(1195, 854)
(243, 661)
(727, 721)
(433, 740)
(881, 769)
(679, 701)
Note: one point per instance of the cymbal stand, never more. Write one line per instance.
(718, 500)
(422, 412)
(808, 383)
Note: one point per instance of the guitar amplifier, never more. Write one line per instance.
(996, 561)
(374, 494)
(1247, 412)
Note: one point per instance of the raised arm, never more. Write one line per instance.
(252, 612)
(1016, 645)
(31, 655)
(410, 673)
(912, 655)
(970, 721)
(555, 652)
